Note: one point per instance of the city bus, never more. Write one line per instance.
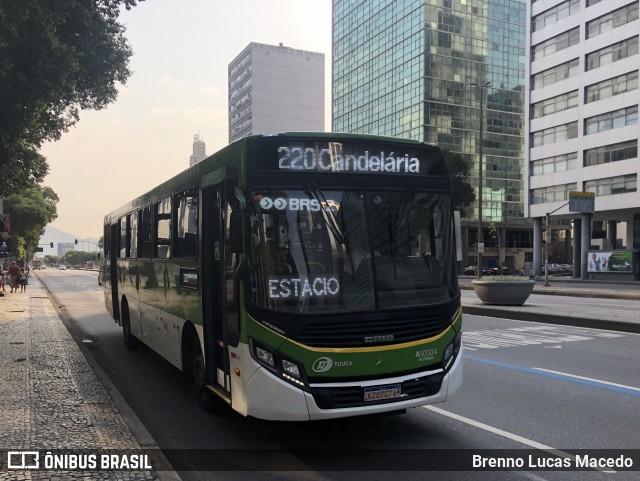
(296, 276)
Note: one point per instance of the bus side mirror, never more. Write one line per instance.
(235, 232)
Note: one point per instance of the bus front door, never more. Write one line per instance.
(113, 271)
(216, 290)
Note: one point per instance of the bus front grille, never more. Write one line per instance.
(353, 396)
(328, 333)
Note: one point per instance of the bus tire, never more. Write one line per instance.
(131, 342)
(206, 399)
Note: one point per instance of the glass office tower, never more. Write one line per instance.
(406, 68)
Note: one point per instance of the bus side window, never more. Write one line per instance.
(162, 229)
(123, 238)
(185, 243)
(144, 232)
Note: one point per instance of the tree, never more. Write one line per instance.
(31, 210)
(463, 195)
(56, 57)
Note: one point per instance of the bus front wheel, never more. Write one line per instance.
(131, 342)
(206, 398)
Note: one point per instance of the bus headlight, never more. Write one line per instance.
(291, 368)
(265, 356)
(283, 368)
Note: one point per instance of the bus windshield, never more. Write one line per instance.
(314, 251)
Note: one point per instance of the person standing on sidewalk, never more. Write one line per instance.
(14, 276)
(23, 280)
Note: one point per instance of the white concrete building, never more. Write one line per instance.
(199, 150)
(583, 122)
(275, 89)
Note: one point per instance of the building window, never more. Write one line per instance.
(612, 53)
(621, 184)
(551, 16)
(611, 120)
(610, 87)
(550, 165)
(611, 153)
(555, 74)
(552, 193)
(555, 44)
(554, 134)
(592, 2)
(612, 20)
(555, 104)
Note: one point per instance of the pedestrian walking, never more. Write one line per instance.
(14, 276)
(3, 280)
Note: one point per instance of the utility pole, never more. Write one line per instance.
(480, 243)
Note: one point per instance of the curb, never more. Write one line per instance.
(550, 291)
(606, 325)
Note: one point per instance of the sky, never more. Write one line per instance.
(178, 88)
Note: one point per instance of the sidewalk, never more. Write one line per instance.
(50, 397)
(536, 310)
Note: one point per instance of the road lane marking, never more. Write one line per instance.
(619, 388)
(530, 336)
(590, 379)
(506, 434)
(603, 332)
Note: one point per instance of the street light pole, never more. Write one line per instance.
(480, 244)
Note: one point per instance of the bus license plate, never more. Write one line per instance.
(380, 393)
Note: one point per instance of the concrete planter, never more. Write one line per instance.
(507, 292)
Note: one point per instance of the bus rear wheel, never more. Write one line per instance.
(207, 400)
(131, 342)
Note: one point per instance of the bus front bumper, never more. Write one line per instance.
(269, 397)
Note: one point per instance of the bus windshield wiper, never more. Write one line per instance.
(328, 215)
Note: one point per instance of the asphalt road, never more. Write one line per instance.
(527, 385)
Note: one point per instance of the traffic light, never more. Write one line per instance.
(76, 241)
(51, 244)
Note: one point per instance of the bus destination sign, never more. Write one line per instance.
(328, 160)
(353, 158)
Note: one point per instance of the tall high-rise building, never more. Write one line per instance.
(583, 123)
(199, 150)
(275, 89)
(407, 68)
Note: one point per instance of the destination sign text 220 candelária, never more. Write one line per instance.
(365, 161)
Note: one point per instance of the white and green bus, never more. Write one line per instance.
(296, 276)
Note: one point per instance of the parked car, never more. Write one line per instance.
(471, 270)
(62, 267)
